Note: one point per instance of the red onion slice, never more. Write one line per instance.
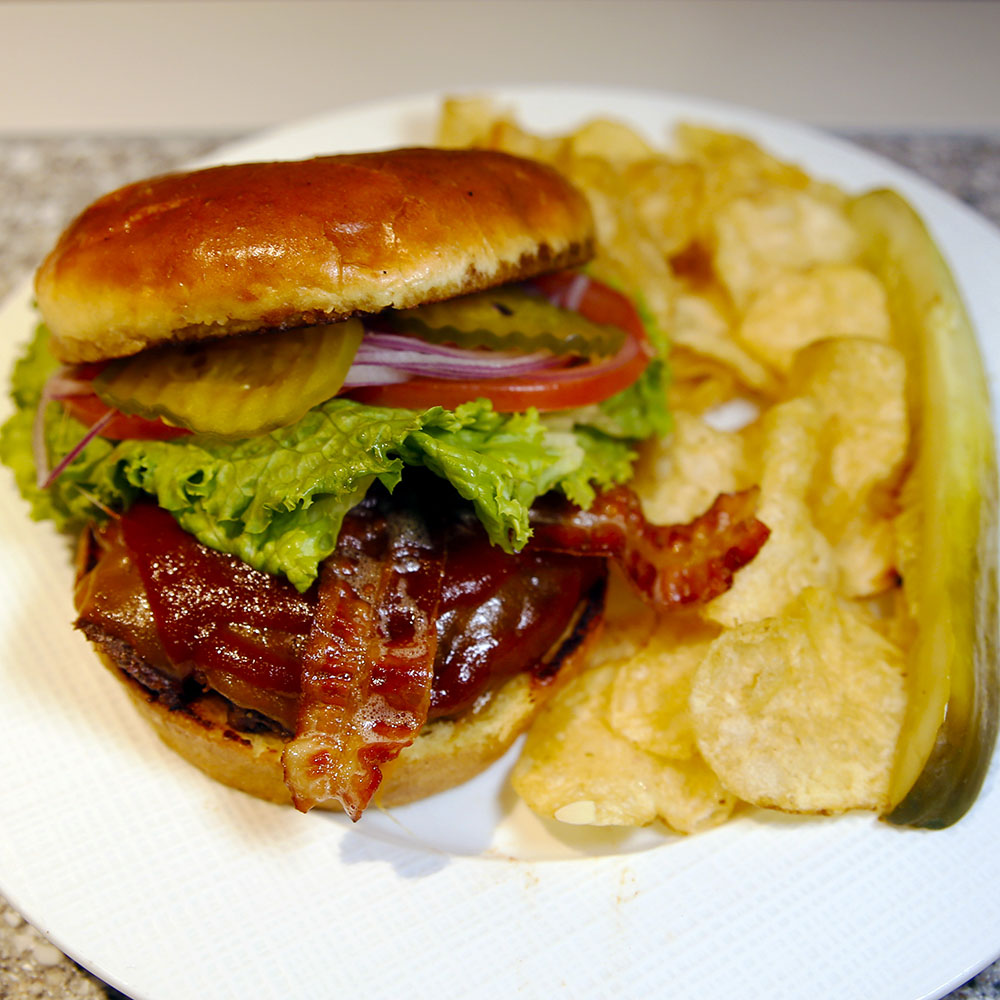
(94, 430)
(382, 358)
(391, 357)
(572, 295)
(367, 374)
(60, 385)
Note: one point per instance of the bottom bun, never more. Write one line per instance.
(445, 753)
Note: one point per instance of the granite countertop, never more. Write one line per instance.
(45, 180)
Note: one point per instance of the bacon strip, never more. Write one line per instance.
(368, 664)
(351, 665)
(668, 564)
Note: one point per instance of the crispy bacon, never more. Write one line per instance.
(415, 614)
(668, 564)
(368, 663)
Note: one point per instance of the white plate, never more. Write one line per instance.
(170, 886)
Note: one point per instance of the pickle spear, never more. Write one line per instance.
(948, 525)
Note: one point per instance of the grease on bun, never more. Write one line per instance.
(239, 248)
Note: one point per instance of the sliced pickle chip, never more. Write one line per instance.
(948, 528)
(507, 319)
(236, 387)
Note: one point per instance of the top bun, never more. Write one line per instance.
(274, 245)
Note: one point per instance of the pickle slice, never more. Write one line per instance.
(948, 527)
(507, 319)
(236, 387)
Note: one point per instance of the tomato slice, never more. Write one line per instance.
(89, 409)
(555, 389)
(561, 388)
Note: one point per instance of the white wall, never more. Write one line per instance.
(211, 64)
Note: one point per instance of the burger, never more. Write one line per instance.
(345, 443)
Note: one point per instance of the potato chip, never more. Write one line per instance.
(738, 164)
(677, 477)
(600, 158)
(508, 137)
(575, 769)
(667, 197)
(649, 696)
(866, 556)
(607, 140)
(626, 256)
(758, 238)
(476, 121)
(690, 797)
(798, 308)
(698, 383)
(628, 623)
(464, 121)
(861, 387)
(792, 693)
(802, 712)
(797, 555)
(698, 324)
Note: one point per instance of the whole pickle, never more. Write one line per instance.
(948, 526)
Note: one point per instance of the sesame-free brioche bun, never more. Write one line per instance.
(445, 753)
(254, 246)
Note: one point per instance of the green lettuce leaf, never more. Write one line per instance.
(278, 500)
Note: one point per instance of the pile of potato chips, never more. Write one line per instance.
(787, 691)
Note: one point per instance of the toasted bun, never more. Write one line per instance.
(274, 245)
(446, 753)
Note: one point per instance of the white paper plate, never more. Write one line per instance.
(170, 886)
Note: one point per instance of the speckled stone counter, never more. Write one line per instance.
(44, 181)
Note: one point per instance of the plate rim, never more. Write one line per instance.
(615, 865)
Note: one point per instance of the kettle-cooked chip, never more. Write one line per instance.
(697, 383)
(649, 696)
(735, 166)
(760, 237)
(867, 557)
(789, 689)
(667, 196)
(575, 769)
(802, 712)
(607, 139)
(861, 386)
(697, 323)
(627, 255)
(679, 476)
(798, 308)
(629, 622)
(796, 555)
(464, 121)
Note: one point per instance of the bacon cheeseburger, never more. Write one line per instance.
(345, 443)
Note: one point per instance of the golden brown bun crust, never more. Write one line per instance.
(445, 753)
(273, 245)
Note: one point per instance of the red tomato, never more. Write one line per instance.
(557, 389)
(89, 409)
